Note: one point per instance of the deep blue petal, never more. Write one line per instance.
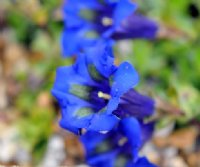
(83, 4)
(71, 14)
(65, 125)
(130, 127)
(103, 122)
(90, 140)
(72, 11)
(101, 56)
(65, 77)
(70, 42)
(123, 9)
(103, 160)
(124, 79)
(74, 41)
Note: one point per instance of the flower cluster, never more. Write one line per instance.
(95, 95)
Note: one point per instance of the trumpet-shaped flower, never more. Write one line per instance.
(119, 147)
(87, 21)
(94, 94)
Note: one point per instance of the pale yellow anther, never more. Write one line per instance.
(106, 21)
(122, 141)
(103, 95)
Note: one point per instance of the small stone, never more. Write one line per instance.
(44, 99)
(125, 47)
(3, 96)
(193, 159)
(175, 162)
(183, 139)
(151, 152)
(170, 152)
(55, 154)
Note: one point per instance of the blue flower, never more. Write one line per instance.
(119, 147)
(95, 94)
(87, 21)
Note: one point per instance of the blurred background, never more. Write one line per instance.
(169, 69)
